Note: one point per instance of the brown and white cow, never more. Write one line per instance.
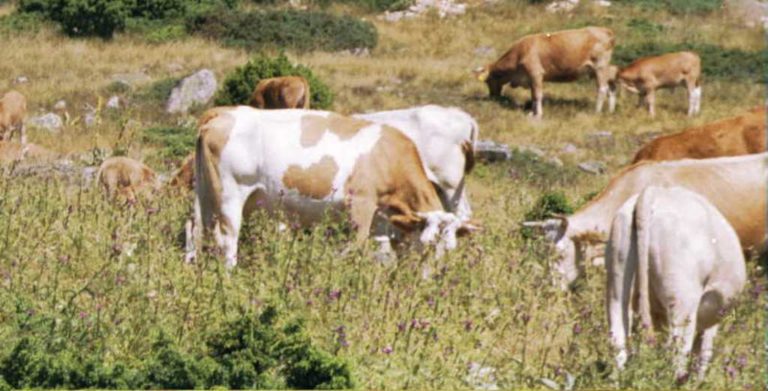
(739, 135)
(646, 75)
(13, 111)
(562, 56)
(735, 185)
(674, 255)
(126, 178)
(311, 164)
(285, 92)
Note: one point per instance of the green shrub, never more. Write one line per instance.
(548, 204)
(238, 85)
(716, 62)
(373, 5)
(20, 22)
(678, 6)
(300, 30)
(156, 9)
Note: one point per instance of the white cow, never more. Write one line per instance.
(445, 138)
(310, 163)
(679, 257)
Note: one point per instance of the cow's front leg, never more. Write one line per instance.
(537, 95)
(650, 100)
(361, 211)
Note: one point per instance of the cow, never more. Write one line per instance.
(645, 75)
(311, 164)
(285, 92)
(126, 179)
(739, 135)
(735, 185)
(445, 138)
(678, 259)
(562, 56)
(184, 177)
(13, 110)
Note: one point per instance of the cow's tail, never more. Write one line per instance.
(307, 95)
(207, 186)
(642, 220)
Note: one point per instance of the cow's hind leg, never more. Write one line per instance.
(650, 100)
(604, 88)
(537, 94)
(682, 333)
(228, 229)
(706, 351)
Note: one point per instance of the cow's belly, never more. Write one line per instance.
(300, 209)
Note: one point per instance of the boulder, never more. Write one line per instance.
(49, 121)
(491, 151)
(593, 167)
(196, 89)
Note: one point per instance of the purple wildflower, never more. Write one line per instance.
(387, 349)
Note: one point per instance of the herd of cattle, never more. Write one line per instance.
(677, 223)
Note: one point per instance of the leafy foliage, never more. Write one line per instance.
(549, 203)
(678, 6)
(249, 352)
(176, 142)
(238, 85)
(300, 30)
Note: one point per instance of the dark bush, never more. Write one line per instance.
(238, 85)
(301, 30)
(156, 9)
(678, 6)
(89, 17)
(548, 204)
(373, 5)
(716, 62)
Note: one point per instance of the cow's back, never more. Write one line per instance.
(13, 108)
(566, 53)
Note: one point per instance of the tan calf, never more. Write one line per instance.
(286, 92)
(126, 178)
(740, 135)
(646, 75)
(13, 110)
(561, 56)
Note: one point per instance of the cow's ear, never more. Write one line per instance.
(469, 227)
(407, 223)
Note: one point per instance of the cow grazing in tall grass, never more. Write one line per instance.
(562, 56)
(311, 164)
(679, 257)
(740, 135)
(644, 76)
(127, 179)
(285, 92)
(13, 111)
(735, 185)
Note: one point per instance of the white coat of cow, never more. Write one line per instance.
(735, 185)
(681, 260)
(309, 163)
(445, 138)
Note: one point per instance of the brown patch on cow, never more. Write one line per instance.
(314, 127)
(469, 156)
(316, 181)
(284, 92)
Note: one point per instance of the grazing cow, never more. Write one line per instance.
(735, 185)
(561, 56)
(311, 164)
(681, 260)
(740, 135)
(126, 178)
(646, 75)
(13, 110)
(184, 177)
(286, 92)
(445, 138)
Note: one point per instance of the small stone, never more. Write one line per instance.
(50, 122)
(113, 102)
(593, 167)
(569, 149)
(491, 151)
(61, 105)
(90, 120)
(21, 80)
(554, 160)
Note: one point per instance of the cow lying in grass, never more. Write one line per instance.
(311, 164)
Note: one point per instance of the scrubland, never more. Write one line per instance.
(106, 281)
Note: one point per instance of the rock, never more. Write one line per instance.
(481, 378)
(561, 6)
(61, 105)
(569, 149)
(88, 174)
(593, 167)
(357, 52)
(532, 149)
(419, 7)
(554, 160)
(752, 13)
(197, 89)
(485, 51)
(90, 120)
(491, 151)
(58, 169)
(21, 80)
(113, 102)
(131, 79)
(50, 122)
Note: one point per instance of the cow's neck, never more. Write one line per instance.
(592, 222)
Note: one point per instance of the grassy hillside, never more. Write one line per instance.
(76, 270)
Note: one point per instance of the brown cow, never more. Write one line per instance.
(286, 92)
(13, 110)
(740, 135)
(646, 75)
(126, 178)
(561, 56)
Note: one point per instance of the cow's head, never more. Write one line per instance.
(438, 228)
(555, 230)
(493, 82)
